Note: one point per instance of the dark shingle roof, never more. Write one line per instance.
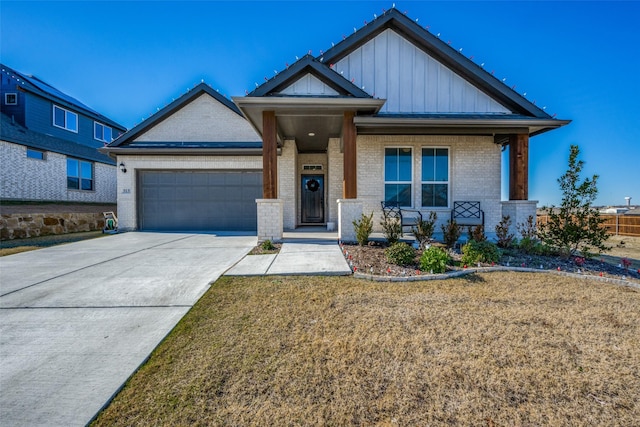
(13, 132)
(39, 87)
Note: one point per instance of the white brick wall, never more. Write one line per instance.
(474, 172)
(335, 170)
(349, 210)
(287, 183)
(270, 219)
(203, 119)
(127, 185)
(31, 179)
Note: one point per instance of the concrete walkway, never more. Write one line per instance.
(77, 320)
(303, 252)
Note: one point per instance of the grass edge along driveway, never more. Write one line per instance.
(488, 349)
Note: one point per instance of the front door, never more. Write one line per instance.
(312, 198)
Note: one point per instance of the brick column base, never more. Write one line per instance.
(270, 222)
(349, 210)
(519, 211)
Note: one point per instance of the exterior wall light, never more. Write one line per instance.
(122, 168)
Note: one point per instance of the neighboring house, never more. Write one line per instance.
(390, 113)
(49, 142)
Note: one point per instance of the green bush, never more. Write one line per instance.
(400, 254)
(475, 252)
(533, 246)
(267, 245)
(451, 233)
(423, 231)
(363, 228)
(434, 260)
(391, 228)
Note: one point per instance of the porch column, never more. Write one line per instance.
(350, 183)
(519, 167)
(269, 155)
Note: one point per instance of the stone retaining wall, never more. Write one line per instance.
(22, 226)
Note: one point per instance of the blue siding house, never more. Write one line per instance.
(49, 144)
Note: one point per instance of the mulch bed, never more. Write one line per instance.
(371, 260)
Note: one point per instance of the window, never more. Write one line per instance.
(10, 99)
(435, 177)
(35, 154)
(397, 176)
(79, 175)
(102, 132)
(65, 119)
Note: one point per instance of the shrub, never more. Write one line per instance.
(423, 231)
(533, 246)
(363, 228)
(477, 233)
(451, 233)
(267, 245)
(528, 228)
(474, 252)
(400, 254)
(434, 260)
(391, 228)
(575, 226)
(505, 239)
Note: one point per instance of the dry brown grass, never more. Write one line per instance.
(489, 349)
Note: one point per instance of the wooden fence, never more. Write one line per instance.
(623, 225)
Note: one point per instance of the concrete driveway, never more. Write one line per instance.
(77, 320)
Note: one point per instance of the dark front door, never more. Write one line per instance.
(312, 198)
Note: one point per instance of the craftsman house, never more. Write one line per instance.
(391, 113)
(49, 142)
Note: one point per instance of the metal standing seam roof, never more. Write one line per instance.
(39, 87)
(17, 134)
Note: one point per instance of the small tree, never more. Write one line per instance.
(505, 239)
(363, 228)
(575, 225)
(423, 230)
(391, 227)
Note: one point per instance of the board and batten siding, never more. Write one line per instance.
(309, 85)
(392, 68)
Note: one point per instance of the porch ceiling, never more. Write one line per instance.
(298, 117)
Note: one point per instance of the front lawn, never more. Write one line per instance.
(488, 349)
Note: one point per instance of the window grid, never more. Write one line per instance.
(435, 177)
(102, 132)
(398, 175)
(65, 119)
(80, 175)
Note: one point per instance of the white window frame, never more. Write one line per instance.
(67, 113)
(447, 182)
(95, 128)
(410, 181)
(35, 150)
(6, 98)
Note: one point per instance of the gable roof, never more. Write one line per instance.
(170, 109)
(39, 87)
(13, 132)
(309, 65)
(439, 50)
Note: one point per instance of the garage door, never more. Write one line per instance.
(198, 200)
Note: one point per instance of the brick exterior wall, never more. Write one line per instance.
(335, 171)
(288, 183)
(349, 210)
(127, 185)
(474, 175)
(203, 119)
(23, 178)
(519, 211)
(270, 219)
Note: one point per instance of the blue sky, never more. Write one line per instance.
(128, 58)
